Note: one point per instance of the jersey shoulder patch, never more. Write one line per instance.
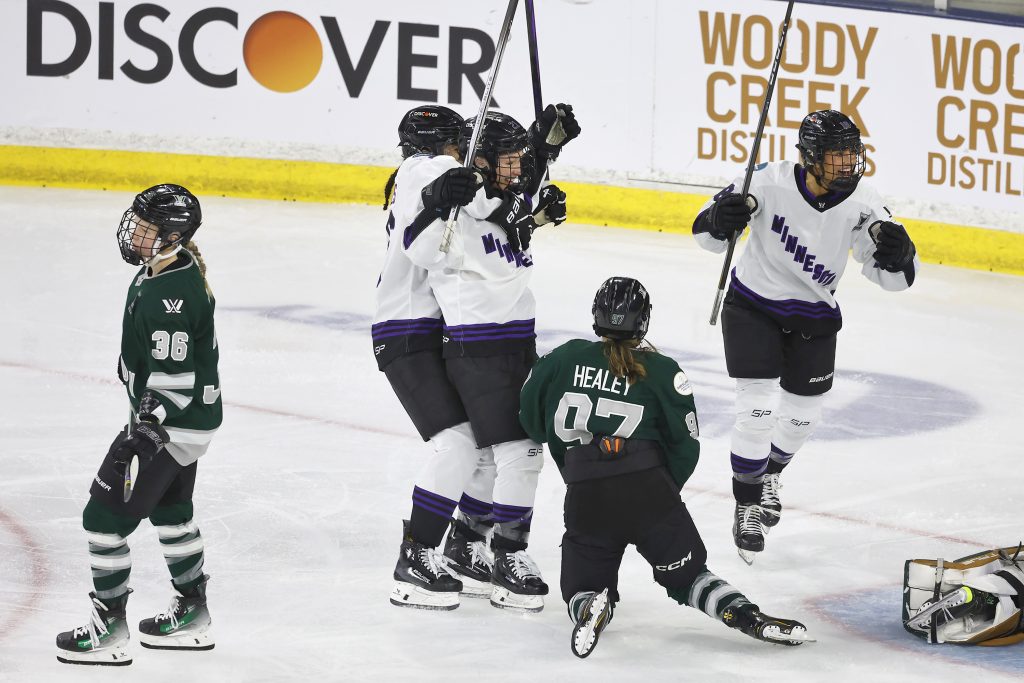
(681, 383)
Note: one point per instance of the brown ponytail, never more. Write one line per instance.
(622, 358)
(192, 248)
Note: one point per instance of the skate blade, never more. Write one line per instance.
(798, 636)
(951, 599)
(118, 657)
(746, 555)
(585, 635)
(471, 588)
(502, 598)
(408, 595)
(202, 640)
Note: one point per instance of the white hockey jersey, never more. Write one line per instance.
(481, 284)
(408, 317)
(799, 245)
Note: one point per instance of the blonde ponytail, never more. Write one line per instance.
(623, 360)
(192, 248)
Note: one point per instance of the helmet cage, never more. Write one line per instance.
(505, 145)
(832, 151)
(169, 209)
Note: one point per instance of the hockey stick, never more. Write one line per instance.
(485, 103)
(753, 159)
(538, 99)
(531, 37)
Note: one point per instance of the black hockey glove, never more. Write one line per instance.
(514, 218)
(455, 187)
(145, 441)
(556, 126)
(894, 249)
(550, 206)
(729, 215)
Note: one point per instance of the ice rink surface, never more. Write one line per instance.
(301, 496)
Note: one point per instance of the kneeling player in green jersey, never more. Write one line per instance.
(620, 423)
(168, 365)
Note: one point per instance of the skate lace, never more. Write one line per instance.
(96, 627)
(770, 492)
(435, 562)
(750, 520)
(478, 555)
(522, 565)
(172, 612)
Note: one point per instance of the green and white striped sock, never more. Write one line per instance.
(710, 594)
(182, 545)
(111, 561)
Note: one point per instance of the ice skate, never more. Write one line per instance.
(102, 641)
(468, 556)
(771, 506)
(594, 615)
(964, 603)
(185, 625)
(748, 619)
(747, 531)
(517, 583)
(423, 579)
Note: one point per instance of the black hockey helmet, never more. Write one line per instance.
(428, 129)
(622, 309)
(832, 131)
(171, 209)
(501, 135)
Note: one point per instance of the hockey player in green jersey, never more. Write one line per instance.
(168, 365)
(620, 423)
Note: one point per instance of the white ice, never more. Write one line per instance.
(301, 496)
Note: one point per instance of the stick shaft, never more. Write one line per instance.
(485, 103)
(753, 157)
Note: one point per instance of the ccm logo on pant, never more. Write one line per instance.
(675, 565)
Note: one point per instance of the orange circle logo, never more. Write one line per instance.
(282, 51)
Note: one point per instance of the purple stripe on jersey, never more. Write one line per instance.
(402, 333)
(474, 507)
(491, 337)
(747, 466)
(510, 513)
(431, 322)
(787, 307)
(490, 327)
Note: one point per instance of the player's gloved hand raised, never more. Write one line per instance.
(550, 206)
(513, 216)
(455, 187)
(555, 127)
(730, 215)
(894, 249)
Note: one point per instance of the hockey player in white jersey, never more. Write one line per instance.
(489, 344)
(406, 335)
(407, 344)
(780, 318)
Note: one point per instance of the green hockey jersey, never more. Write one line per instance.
(571, 396)
(169, 347)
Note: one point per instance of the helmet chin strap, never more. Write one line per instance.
(157, 257)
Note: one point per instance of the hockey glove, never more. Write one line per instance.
(550, 206)
(144, 441)
(455, 187)
(555, 127)
(730, 215)
(894, 249)
(514, 218)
